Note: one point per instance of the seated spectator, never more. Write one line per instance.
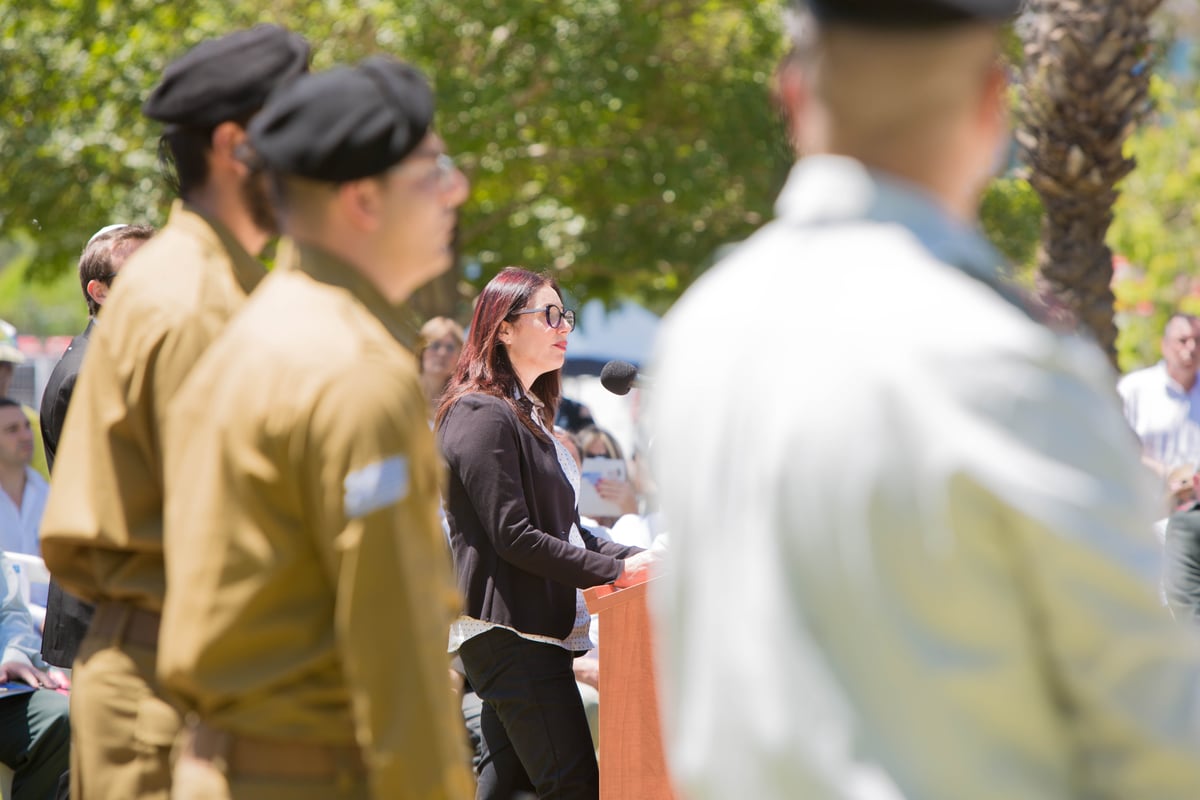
(35, 734)
(438, 351)
(10, 357)
(629, 527)
(599, 443)
(22, 490)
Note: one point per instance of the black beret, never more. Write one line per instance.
(227, 78)
(911, 13)
(346, 123)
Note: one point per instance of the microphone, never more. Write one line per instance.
(618, 377)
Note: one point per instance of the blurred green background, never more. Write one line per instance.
(620, 143)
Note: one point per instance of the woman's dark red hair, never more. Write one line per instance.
(484, 366)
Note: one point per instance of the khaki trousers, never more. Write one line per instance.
(208, 772)
(121, 730)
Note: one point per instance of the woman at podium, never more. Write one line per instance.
(520, 554)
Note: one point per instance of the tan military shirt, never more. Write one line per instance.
(311, 589)
(102, 530)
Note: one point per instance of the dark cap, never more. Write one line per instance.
(227, 78)
(911, 13)
(346, 123)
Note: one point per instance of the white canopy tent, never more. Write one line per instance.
(626, 332)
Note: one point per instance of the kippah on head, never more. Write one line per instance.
(911, 13)
(227, 78)
(116, 226)
(346, 123)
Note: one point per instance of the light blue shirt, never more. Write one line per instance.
(19, 639)
(912, 555)
(19, 526)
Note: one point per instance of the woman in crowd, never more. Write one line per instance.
(519, 553)
(440, 345)
(599, 443)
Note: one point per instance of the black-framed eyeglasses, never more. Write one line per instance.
(108, 277)
(555, 315)
(440, 347)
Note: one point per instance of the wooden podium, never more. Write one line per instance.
(632, 764)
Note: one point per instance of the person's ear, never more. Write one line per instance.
(228, 138)
(990, 126)
(504, 335)
(362, 202)
(994, 109)
(97, 290)
(792, 95)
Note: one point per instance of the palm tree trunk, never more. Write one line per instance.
(1085, 87)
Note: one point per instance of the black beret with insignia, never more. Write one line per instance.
(911, 13)
(227, 78)
(345, 123)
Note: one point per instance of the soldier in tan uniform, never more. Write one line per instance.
(102, 532)
(305, 627)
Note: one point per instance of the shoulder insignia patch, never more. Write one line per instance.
(376, 486)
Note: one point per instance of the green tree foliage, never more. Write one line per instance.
(74, 151)
(1157, 224)
(54, 307)
(619, 142)
(1011, 215)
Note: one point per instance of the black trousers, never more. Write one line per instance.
(35, 741)
(505, 777)
(531, 708)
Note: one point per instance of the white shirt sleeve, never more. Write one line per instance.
(18, 635)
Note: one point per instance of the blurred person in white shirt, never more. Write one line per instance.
(912, 555)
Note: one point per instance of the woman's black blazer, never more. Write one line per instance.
(510, 510)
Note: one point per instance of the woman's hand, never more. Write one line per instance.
(637, 569)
